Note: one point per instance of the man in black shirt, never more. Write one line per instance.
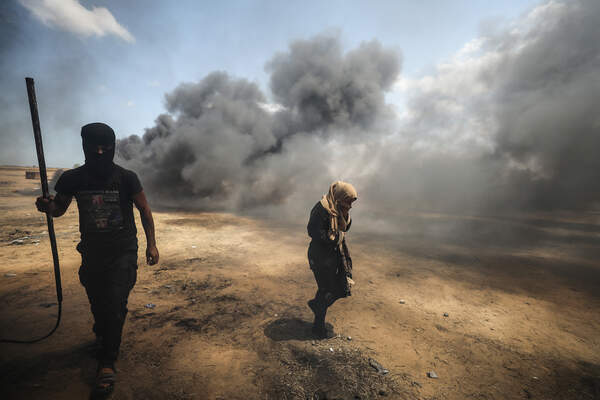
(105, 194)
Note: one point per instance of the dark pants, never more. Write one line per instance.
(329, 289)
(108, 279)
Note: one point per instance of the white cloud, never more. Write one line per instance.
(71, 16)
(154, 83)
(130, 103)
(271, 107)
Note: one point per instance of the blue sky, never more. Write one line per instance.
(122, 76)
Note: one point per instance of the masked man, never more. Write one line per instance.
(105, 194)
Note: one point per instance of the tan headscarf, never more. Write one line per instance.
(338, 191)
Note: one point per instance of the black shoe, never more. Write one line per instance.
(323, 331)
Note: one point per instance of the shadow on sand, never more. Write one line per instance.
(290, 329)
(22, 375)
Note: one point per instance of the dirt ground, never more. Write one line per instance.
(498, 307)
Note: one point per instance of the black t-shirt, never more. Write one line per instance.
(105, 207)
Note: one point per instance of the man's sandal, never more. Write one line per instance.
(105, 381)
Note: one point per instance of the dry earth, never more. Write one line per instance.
(521, 295)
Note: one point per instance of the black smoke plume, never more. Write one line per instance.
(510, 123)
(221, 147)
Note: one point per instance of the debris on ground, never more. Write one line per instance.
(21, 240)
(378, 367)
(10, 275)
(446, 314)
(432, 375)
(344, 374)
(402, 302)
(150, 305)
(17, 232)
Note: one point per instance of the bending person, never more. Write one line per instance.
(328, 254)
(105, 194)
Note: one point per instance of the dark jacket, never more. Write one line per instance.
(324, 253)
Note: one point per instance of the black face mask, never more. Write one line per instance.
(97, 135)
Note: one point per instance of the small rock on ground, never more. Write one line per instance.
(378, 367)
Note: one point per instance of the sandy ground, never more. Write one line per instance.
(521, 295)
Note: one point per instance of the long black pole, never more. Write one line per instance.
(37, 133)
(35, 119)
